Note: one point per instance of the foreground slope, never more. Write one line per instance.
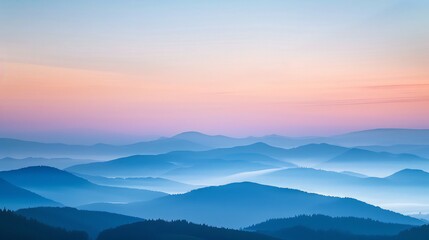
(242, 204)
(358, 226)
(176, 230)
(15, 227)
(91, 222)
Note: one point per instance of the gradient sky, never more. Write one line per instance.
(119, 71)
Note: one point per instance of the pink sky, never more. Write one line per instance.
(229, 68)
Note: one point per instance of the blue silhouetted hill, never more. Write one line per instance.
(417, 233)
(187, 164)
(91, 222)
(306, 233)
(369, 162)
(15, 227)
(13, 197)
(239, 205)
(20, 148)
(176, 230)
(412, 177)
(148, 183)
(358, 226)
(68, 189)
(361, 155)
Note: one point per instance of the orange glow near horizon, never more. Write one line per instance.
(43, 98)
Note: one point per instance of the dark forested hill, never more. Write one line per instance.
(177, 230)
(92, 222)
(360, 226)
(15, 227)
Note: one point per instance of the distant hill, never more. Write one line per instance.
(196, 141)
(411, 177)
(388, 136)
(357, 226)
(22, 149)
(186, 165)
(91, 222)
(313, 153)
(419, 150)
(13, 197)
(424, 217)
(17, 163)
(382, 136)
(148, 183)
(308, 179)
(242, 204)
(392, 192)
(71, 190)
(263, 151)
(213, 141)
(360, 155)
(15, 227)
(369, 162)
(133, 166)
(176, 230)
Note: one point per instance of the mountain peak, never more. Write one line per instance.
(42, 175)
(409, 174)
(259, 145)
(190, 134)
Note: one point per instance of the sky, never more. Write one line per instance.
(120, 71)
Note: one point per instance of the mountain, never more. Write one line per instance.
(261, 150)
(313, 153)
(133, 166)
(360, 155)
(308, 179)
(148, 183)
(186, 165)
(417, 233)
(424, 217)
(13, 197)
(195, 141)
(419, 150)
(354, 174)
(23, 149)
(303, 233)
(391, 192)
(71, 190)
(213, 141)
(369, 162)
(15, 227)
(71, 219)
(176, 230)
(239, 205)
(411, 177)
(15, 163)
(310, 152)
(357, 226)
(383, 136)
